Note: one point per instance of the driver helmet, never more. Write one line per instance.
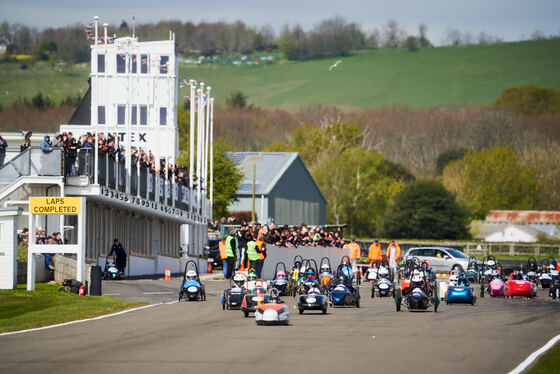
(251, 276)
(325, 268)
(342, 279)
(424, 266)
(302, 269)
(417, 276)
(280, 274)
(238, 280)
(453, 278)
(552, 267)
(310, 273)
(191, 275)
(383, 272)
(491, 263)
(259, 284)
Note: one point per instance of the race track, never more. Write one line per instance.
(494, 336)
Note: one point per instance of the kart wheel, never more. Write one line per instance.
(301, 311)
(324, 311)
(246, 314)
(481, 289)
(372, 292)
(204, 296)
(180, 294)
(398, 300)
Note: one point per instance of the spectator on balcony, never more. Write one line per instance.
(25, 145)
(46, 145)
(71, 153)
(3, 146)
(59, 141)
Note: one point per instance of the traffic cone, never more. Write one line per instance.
(82, 290)
(209, 267)
(167, 274)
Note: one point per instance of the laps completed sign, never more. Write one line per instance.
(55, 205)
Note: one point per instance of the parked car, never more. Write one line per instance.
(212, 251)
(442, 259)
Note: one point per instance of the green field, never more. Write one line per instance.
(447, 76)
(20, 309)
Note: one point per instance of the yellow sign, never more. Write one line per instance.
(55, 205)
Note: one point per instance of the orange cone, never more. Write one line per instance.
(167, 274)
(209, 267)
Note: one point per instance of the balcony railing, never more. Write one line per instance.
(112, 174)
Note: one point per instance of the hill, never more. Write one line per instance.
(446, 76)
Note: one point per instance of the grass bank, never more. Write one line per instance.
(20, 309)
(549, 363)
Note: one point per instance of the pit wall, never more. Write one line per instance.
(286, 255)
(145, 265)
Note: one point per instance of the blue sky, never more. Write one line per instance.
(509, 19)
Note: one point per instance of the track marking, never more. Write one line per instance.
(158, 293)
(111, 294)
(529, 360)
(85, 320)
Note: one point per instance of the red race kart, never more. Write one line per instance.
(523, 288)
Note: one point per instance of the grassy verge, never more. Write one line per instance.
(20, 310)
(549, 363)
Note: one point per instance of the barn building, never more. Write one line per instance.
(285, 191)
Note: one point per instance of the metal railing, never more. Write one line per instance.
(32, 161)
(112, 174)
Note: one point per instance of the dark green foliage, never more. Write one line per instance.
(47, 48)
(41, 102)
(447, 156)
(412, 43)
(236, 99)
(425, 210)
(399, 172)
(530, 100)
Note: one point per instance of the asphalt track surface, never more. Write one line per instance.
(493, 336)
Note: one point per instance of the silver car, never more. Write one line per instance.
(442, 259)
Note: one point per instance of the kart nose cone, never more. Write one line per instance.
(270, 315)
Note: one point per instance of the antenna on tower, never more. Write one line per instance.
(133, 17)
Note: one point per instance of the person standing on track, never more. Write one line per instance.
(354, 255)
(223, 254)
(231, 252)
(242, 246)
(393, 254)
(375, 254)
(252, 253)
(118, 252)
(261, 255)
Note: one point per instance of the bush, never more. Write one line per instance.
(529, 101)
(425, 210)
(447, 156)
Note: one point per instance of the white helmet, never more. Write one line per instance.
(417, 276)
(191, 275)
(383, 271)
(238, 280)
(490, 263)
(324, 268)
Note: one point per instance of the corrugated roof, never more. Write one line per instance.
(269, 168)
(525, 216)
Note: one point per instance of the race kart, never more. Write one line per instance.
(294, 275)
(545, 274)
(326, 277)
(382, 286)
(280, 281)
(111, 272)
(254, 297)
(343, 293)
(518, 286)
(233, 296)
(313, 299)
(420, 295)
(554, 289)
(272, 311)
(307, 277)
(461, 292)
(191, 288)
(492, 282)
(532, 270)
(473, 271)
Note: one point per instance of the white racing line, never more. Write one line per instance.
(85, 320)
(529, 360)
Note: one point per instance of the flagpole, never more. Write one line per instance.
(211, 155)
(192, 84)
(205, 170)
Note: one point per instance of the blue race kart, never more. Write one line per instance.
(191, 288)
(462, 292)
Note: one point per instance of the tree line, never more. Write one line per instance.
(329, 38)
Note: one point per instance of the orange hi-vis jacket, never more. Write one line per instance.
(375, 253)
(260, 245)
(222, 247)
(397, 251)
(354, 250)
